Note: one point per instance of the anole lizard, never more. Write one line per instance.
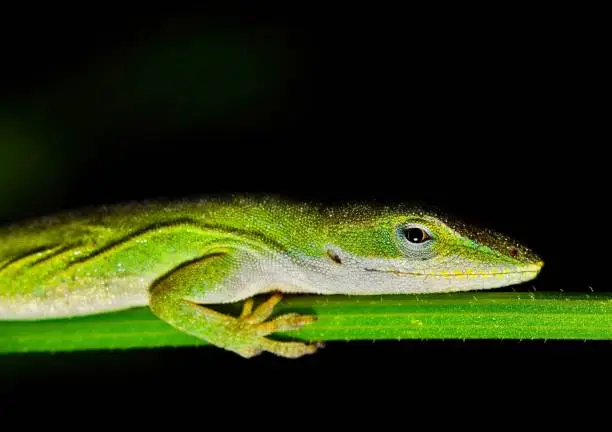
(177, 257)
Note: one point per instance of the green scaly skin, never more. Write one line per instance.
(176, 257)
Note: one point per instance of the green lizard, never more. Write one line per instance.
(176, 257)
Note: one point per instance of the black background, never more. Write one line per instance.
(494, 115)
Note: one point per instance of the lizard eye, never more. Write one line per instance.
(416, 240)
(416, 235)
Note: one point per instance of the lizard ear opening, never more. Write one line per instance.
(333, 256)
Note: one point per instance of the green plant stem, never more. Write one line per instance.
(480, 315)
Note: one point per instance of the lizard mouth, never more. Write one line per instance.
(527, 270)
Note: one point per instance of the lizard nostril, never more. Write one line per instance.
(514, 252)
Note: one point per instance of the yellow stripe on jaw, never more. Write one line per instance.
(469, 274)
(453, 274)
(456, 274)
(499, 273)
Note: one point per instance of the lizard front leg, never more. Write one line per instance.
(176, 298)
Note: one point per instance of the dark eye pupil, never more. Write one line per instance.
(415, 235)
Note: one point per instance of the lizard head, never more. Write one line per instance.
(400, 251)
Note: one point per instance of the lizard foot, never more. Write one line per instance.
(254, 323)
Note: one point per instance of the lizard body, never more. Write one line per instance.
(176, 257)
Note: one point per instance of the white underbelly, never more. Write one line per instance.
(65, 301)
